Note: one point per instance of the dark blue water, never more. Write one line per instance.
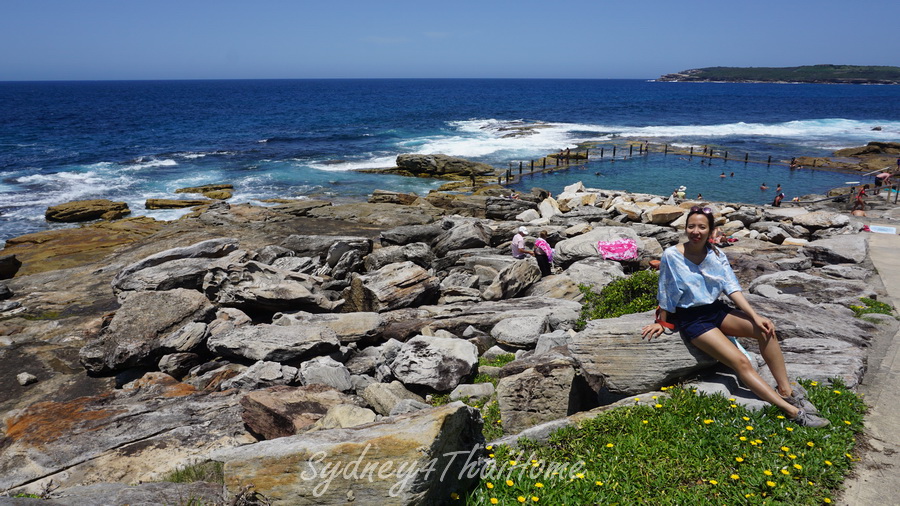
(62, 141)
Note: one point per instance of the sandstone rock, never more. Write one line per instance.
(498, 208)
(472, 234)
(521, 332)
(5, 292)
(178, 364)
(417, 253)
(821, 219)
(389, 197)
(612, 353)
(595, 272)
(283, 411)
(437, 363)
(560, 286)
(820, 359)
(409, 234)
(838, 250)
(817, 290)
(528, 215)
(663, 215)
(472, 391)
(213, 248)
(547, 342)
(345, 415)
(513, 280)
(393, 286)
(441, 166)
(275, 343)
(86, 210)
(141, 493)
(325, 371)
(175, 204)
(585, 245)
(256, 286)
(205, 188)
(538, 390)
(380, 215)
(292, 470)
(148, 326)
(407, 406)
(382, 397)
(261, 374)
(349, 327)
(318, 245)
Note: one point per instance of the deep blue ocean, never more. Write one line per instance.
(63, 141)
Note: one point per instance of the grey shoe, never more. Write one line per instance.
(805, 419)
(799, 400)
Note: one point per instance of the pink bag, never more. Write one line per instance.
(620, 249)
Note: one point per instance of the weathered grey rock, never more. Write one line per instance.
(137, 494)
(9, 266)
(471, 234)
(816, 289)
(256, 286)
(406, 406)
(178, 364)
(409, 234)
(797, 263)
(528, 215)
(26, 378)
(538, 390)
(472, 391)
(140, 432)
(456, 294)
(595, 272)
(838, 250)
(418, 253)
(498, 208)
(261, 374)
(820, 359)
(148, 326)
(846, 271)
(319, 245)
(349, 327)
(441, 165)
(390, 197)
(361, 382)
(282, 411)
(299, 207)
(459, 279)
(520, 332)
(325, 371)
(304, 265)
(513, 280)
(86, 210)
(821, 219)
(213, 248)
(817, 321)
(268, 254)
(556, 338)
(382, 397)
(394, 286)
(275, 343)
(558, 286)
(612, 353)
(771, 292)
(585, 245)
(276, 468)
(746, 215)
(345, 415)
(437, 363)
(5, 292)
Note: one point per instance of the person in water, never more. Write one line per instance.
(692, 277)
(763, 187)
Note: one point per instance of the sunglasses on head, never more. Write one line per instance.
(704, 210)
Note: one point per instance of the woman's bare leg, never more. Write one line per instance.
(738, 324)
(716, 345)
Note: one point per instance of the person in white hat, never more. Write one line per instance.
(518, 244)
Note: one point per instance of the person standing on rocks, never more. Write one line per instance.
(692, 276)
(518, 244)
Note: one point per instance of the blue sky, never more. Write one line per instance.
(226, 39)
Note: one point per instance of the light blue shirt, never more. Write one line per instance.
(683, 283)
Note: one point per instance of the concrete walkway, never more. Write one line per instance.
(877, 475)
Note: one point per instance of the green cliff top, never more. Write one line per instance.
(852, 74)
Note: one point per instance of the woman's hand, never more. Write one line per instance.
(651, 331)
(768, 328)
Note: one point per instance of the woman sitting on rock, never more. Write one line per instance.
(692, 276)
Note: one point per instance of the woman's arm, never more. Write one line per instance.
(763, 323)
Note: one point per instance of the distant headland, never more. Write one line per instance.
(831, 74)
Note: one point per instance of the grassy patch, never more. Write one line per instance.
(871, 306)
(634, 294)
(211, 472)
(498, 361)
(485, 378)
(689, 449)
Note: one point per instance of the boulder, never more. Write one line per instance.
(540, 389)
(499, 208)
(838, 250)
(303, 469)
(472, 234)
(437, 363)
(259, 287)
(408, 406)
(178, 364)
(175, 203)
(663, 215)
(560, 286)
(148, 326)
(9, 266)
(816, 289)
(325, 371)
(383, 397)
(389, 197)
(275, 343)
(380, 215)
(475, 391)
(441, 166)
(349, 327)
(418, 253)
(345, 415)
(86, 210)
(821, 219)
(318, 245)
(612, 353)
(282, 411)
(521, 332)
(200, 492)
(585, 245)
(394, 286)
(595, 272)
(409, 234)
(513, 280)
(261, 374)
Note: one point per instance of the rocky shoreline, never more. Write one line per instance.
(263, 337)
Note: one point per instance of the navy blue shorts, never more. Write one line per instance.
(698, 320)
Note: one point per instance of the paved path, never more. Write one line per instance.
(877, 477)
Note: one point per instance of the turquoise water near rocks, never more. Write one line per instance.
(62, 141)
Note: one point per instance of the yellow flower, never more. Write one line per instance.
(599, 483)
(735, 477)
(733, 406)
(512, 462)
(533, 461)
(814, 384)
(491, 455)
(792, 456)
(654, 397)
(743, 438)
(713, 482)
(780, 417)
(785, 448)
(707, 421)
(521, 499)
(745, 418)
(838, 392)
(785, 472)
(739, 459)
(770, 483)
(847, 422)
(539, 485)
(758, 441)
(579, 475)
(789, 429)
(489, 485)
(810, 444)
(767, 472)
(489, 447)
(798, 466)
(826, 500)
(637, 399)
(534, 498)
(454, 496)
(644, 421)
(848, 455)
(828, 463)
(609, 445)
(509, 483)
(494, 500)
(658, 406)
(749, 427)
(731, 399)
